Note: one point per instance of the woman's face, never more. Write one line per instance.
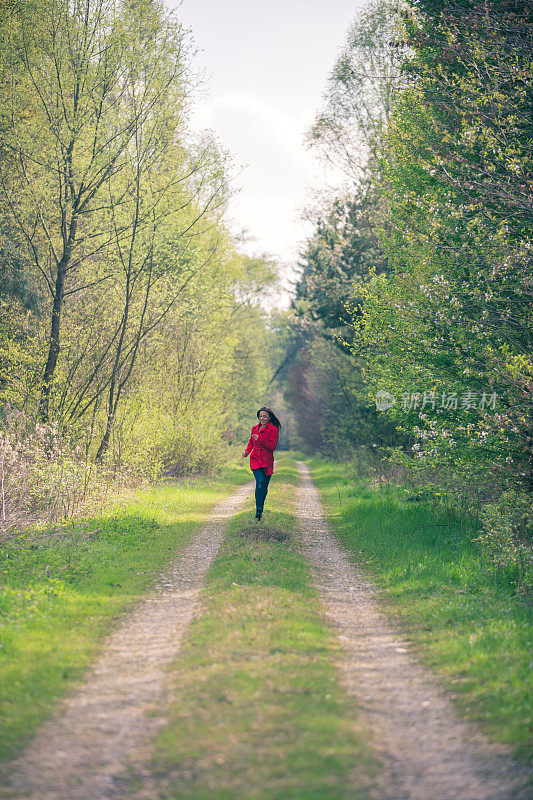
(264, 416)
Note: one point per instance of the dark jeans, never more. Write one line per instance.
(261, 488)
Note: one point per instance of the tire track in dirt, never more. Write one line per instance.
(427, 752)
(84, 751)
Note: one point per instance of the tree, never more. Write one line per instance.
(345, 249)
(360, 96)
(103, 71)
(453, 316)
(473, 86)
(339, 259)
(356, 111)
(326, 393)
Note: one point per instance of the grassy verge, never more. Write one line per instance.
(258, 713)
(462, 616)
(61, 589)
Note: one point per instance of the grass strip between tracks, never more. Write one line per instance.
(62, 588)
(258, 712)
(460, 614)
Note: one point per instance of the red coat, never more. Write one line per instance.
(262, 449)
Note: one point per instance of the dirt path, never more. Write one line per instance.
(428, 753)
(83, 753)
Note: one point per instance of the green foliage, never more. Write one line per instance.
(129, 314)
(337, 260)
(429, 288)
(359, 98)
(333, 414)
(326, 393)
(452, 316)
(507, 537)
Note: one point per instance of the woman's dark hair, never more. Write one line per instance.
(273, 419)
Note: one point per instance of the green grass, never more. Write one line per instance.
(258, 712)
(463, 617)
(61, 590)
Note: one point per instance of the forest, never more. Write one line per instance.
(133, 346)
(410, 336)
(367, 634)
(126, 305)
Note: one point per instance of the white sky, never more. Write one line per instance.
(266, 65)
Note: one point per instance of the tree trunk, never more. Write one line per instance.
(104, 444)
(53, 350)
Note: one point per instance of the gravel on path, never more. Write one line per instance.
(427, 752)
(84, 751)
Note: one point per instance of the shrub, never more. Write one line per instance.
(507, 536)
(44, 473)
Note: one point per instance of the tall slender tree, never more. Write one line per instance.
(103, 69)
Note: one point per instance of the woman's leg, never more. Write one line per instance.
(260, 480)
(265, 491)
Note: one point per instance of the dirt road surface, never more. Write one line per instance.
(83, 753)
(428, 753)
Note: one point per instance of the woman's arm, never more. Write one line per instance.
(249, 448)
(268, 438)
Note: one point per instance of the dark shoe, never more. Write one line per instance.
(258, 515)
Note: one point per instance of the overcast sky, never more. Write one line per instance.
(266, 65)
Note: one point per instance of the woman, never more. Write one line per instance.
(263, 442)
